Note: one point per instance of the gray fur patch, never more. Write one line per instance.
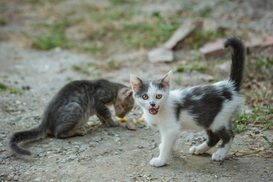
(205, 109)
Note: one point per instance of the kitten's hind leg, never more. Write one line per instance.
(205, 146)
(66, 132)
(226, 135)
(77, 131)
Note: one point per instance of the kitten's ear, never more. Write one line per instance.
(129, 93)
(135, 82)
(166, 80)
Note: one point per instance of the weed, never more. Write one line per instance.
(3, 87)
(54, 39)
(266, 139)
(68, 79)
(12, 90)
(147, 34)
(239, 127)
(258, 114)
(88, 68)
(188, 68)
(205, 11)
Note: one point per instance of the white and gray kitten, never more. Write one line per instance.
(210, 107)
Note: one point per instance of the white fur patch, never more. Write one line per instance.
(228, 111)
(200, 149)
(221, 153)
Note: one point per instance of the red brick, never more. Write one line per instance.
(212, 48)
(254, 42)
(268, 41)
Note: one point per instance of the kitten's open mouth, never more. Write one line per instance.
(154, 111)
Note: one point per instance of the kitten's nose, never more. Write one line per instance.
(152, 103)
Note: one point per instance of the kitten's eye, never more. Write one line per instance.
(158, 96)
(145, 97)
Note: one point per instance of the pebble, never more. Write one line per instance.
(16, 178)
(117, 139)
(175, 168)
(73, 157)
(18, 102)
(10, 176)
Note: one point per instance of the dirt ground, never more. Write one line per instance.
(108, 154)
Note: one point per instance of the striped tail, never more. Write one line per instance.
(35, 133)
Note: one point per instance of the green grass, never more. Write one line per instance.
(12, 90)
(88, 69)
(205, 11)
(68, 79)
(259, 116)
(188, 68)
(266, 139)
(53, 40)
(147, 34)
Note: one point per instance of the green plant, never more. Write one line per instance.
(54, 39)
(239, 127)
(188, 68)
(68, 79)
(12, 90)
(266, 139)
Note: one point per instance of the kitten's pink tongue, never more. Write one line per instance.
(154, 110)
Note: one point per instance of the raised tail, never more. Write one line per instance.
(32, 134)
(238, 60)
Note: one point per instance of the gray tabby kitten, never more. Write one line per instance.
(69, 110)
(210, 107)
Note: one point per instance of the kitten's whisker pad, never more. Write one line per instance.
(210, 107)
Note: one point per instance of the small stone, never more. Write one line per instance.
(160, 55)
(131, 125)
(10, 176)
(16, 178)
(18, 102)
(140, 147)
(117, 139)
(73, 157)
(175, 168)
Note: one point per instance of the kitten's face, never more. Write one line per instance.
(124, 102)
(151, 94)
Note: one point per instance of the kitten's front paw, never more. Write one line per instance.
(157, 162)
(218, 157)
(195, 150)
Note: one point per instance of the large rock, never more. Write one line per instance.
(181, 33)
